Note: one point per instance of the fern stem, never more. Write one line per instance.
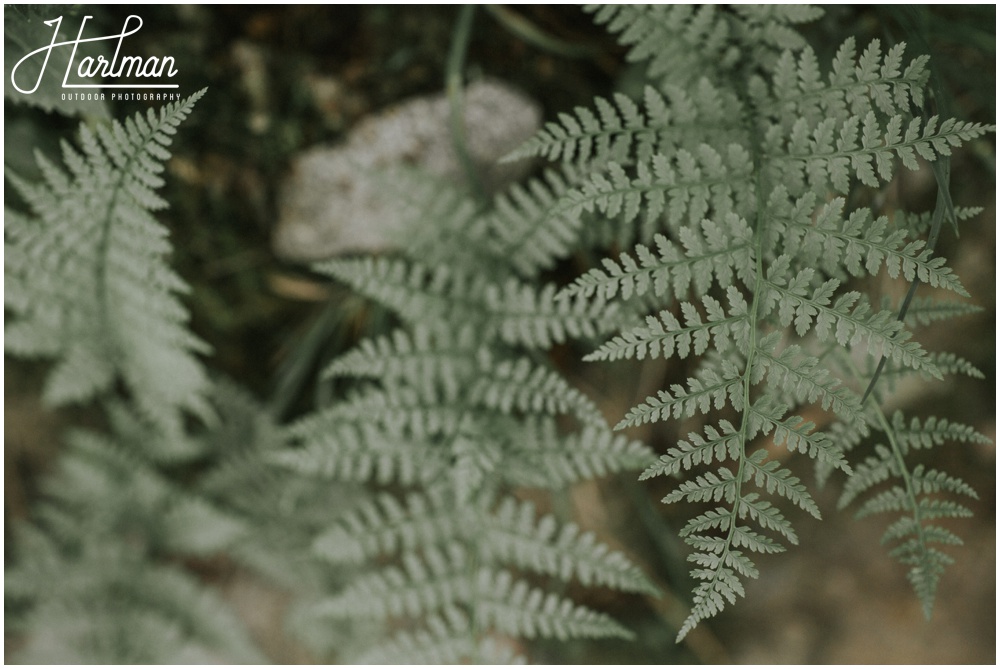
(751, 352)
(747, 382)
(531, 33)
(453, 85)
(103, 244)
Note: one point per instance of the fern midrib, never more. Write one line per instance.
(104, 241)
(752, 351)
(751, 354)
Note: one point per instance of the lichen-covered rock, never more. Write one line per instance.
(331, 203)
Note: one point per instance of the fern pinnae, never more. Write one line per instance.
(722, 444)
(925, 310)
(664, 336)
(715, 382)
(678, 41)
(385, 524)
(917, 496)
(863, 244)
(824, 156)
(847, 319)
(621, 130)
(545, 458)
(459, 404)
(802, 377)
(544, 545)
(933, 432)
(525, 232)
(854, 85)
(708, 250)
(690, 178)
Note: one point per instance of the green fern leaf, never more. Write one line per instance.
(514, 607)
(719, 446)
(689, 180)
(525, 232)
(707, 250)
(541, 457)
(514, 535)
(663, 336)
(621, 131)
(93, 290)
(715, 381)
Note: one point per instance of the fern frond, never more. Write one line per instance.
(719, 446)
(803, 377)
(925, 310)
(334, 448)
(430, 355)
(771, 25)
(929, 481)
(949, 363)
(516, 536)
(854, 86)
(693, 182)
(919, 223)
(93, 290)
(433, 362)
(874, 470)
(517, 313)
(916, 498)
(863, 244)
(508, 385)
(386, 525)
(440, 221)
(706, 250)
(417, 292)
(526, 316)
(623, 132)
(708, 487)
(440, 580)
(715, 381)
(514, 607)
(771, 476)
(584, 138)
(511, 534)
(541, 457)
(797, 434)
(847, 318)
(678, 41)
(447, 638)
(426, 583)
(663, 335)
(933, 432)
(828, 153)
(104, 602)
(525, 232)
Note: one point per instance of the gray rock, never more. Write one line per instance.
(331, 202)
